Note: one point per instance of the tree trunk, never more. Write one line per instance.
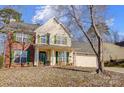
(10, 47)
(10, 55)
(23, 45)
(99, 57)
(98, 54)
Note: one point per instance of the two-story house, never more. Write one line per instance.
(48, 44)
(53, 44)
(19, 47)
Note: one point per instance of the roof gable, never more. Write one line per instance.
(52, 24)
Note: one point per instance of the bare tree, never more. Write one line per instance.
(79, 19)
(99, 56)
(80, 25)
(29, 42)
(9, 45)
(103, 31)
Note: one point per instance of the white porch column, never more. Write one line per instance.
(74, 58)
(36, 60)
(65, 57)
(71, 57)
(53, 57)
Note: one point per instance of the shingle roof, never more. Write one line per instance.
(81, 47)
(109, 50)
(19, 26)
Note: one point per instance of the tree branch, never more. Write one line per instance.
(82, 29)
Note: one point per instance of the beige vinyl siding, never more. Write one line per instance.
(53, 28)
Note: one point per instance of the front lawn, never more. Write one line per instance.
(58, 76)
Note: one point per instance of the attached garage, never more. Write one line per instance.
(83, 55)
(85, 60)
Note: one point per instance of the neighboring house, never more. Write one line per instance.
(53, 44)
(19, 48)
(112, 52)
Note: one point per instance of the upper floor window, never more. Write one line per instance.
(25, 38)
(60, 40)
(44, 39)
(20, 37)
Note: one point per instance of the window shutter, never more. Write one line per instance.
(30, 38)
(28, 56)
(65, 40)
(54, 39)
(67, 56)
(39, 39)
(48, 36)
(12, 56)
(14, 36)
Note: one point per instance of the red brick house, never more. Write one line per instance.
(19, 49)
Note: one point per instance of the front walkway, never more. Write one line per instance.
(115, 69)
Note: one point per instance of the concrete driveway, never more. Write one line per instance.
(115, 69)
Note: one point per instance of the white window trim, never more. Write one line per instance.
(21, 36)
(43, 37)
(61, 40)
(62, 56)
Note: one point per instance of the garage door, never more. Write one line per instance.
(85, 61)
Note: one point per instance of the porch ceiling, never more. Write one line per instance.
(43, 46)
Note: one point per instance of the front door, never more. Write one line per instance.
(42, 57)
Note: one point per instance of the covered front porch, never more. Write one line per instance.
(53, 55)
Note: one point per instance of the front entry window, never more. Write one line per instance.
(61, 56)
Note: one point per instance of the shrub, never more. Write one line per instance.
(118, 63)
(1, 62)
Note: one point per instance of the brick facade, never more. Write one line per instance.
(11, 46)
